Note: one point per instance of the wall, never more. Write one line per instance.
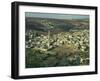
(5, 38)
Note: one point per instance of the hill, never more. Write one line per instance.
(55, 25)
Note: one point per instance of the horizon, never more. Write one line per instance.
(56, 16)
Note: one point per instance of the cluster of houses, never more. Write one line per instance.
(79, 39)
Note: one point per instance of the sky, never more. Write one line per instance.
(56, 16)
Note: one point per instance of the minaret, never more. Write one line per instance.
(48, 44)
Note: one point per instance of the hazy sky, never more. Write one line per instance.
(56, 16)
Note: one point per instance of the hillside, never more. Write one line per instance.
(55, 25)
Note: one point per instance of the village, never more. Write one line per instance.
(74, 45)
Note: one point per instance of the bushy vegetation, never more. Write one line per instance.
(36, 58)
